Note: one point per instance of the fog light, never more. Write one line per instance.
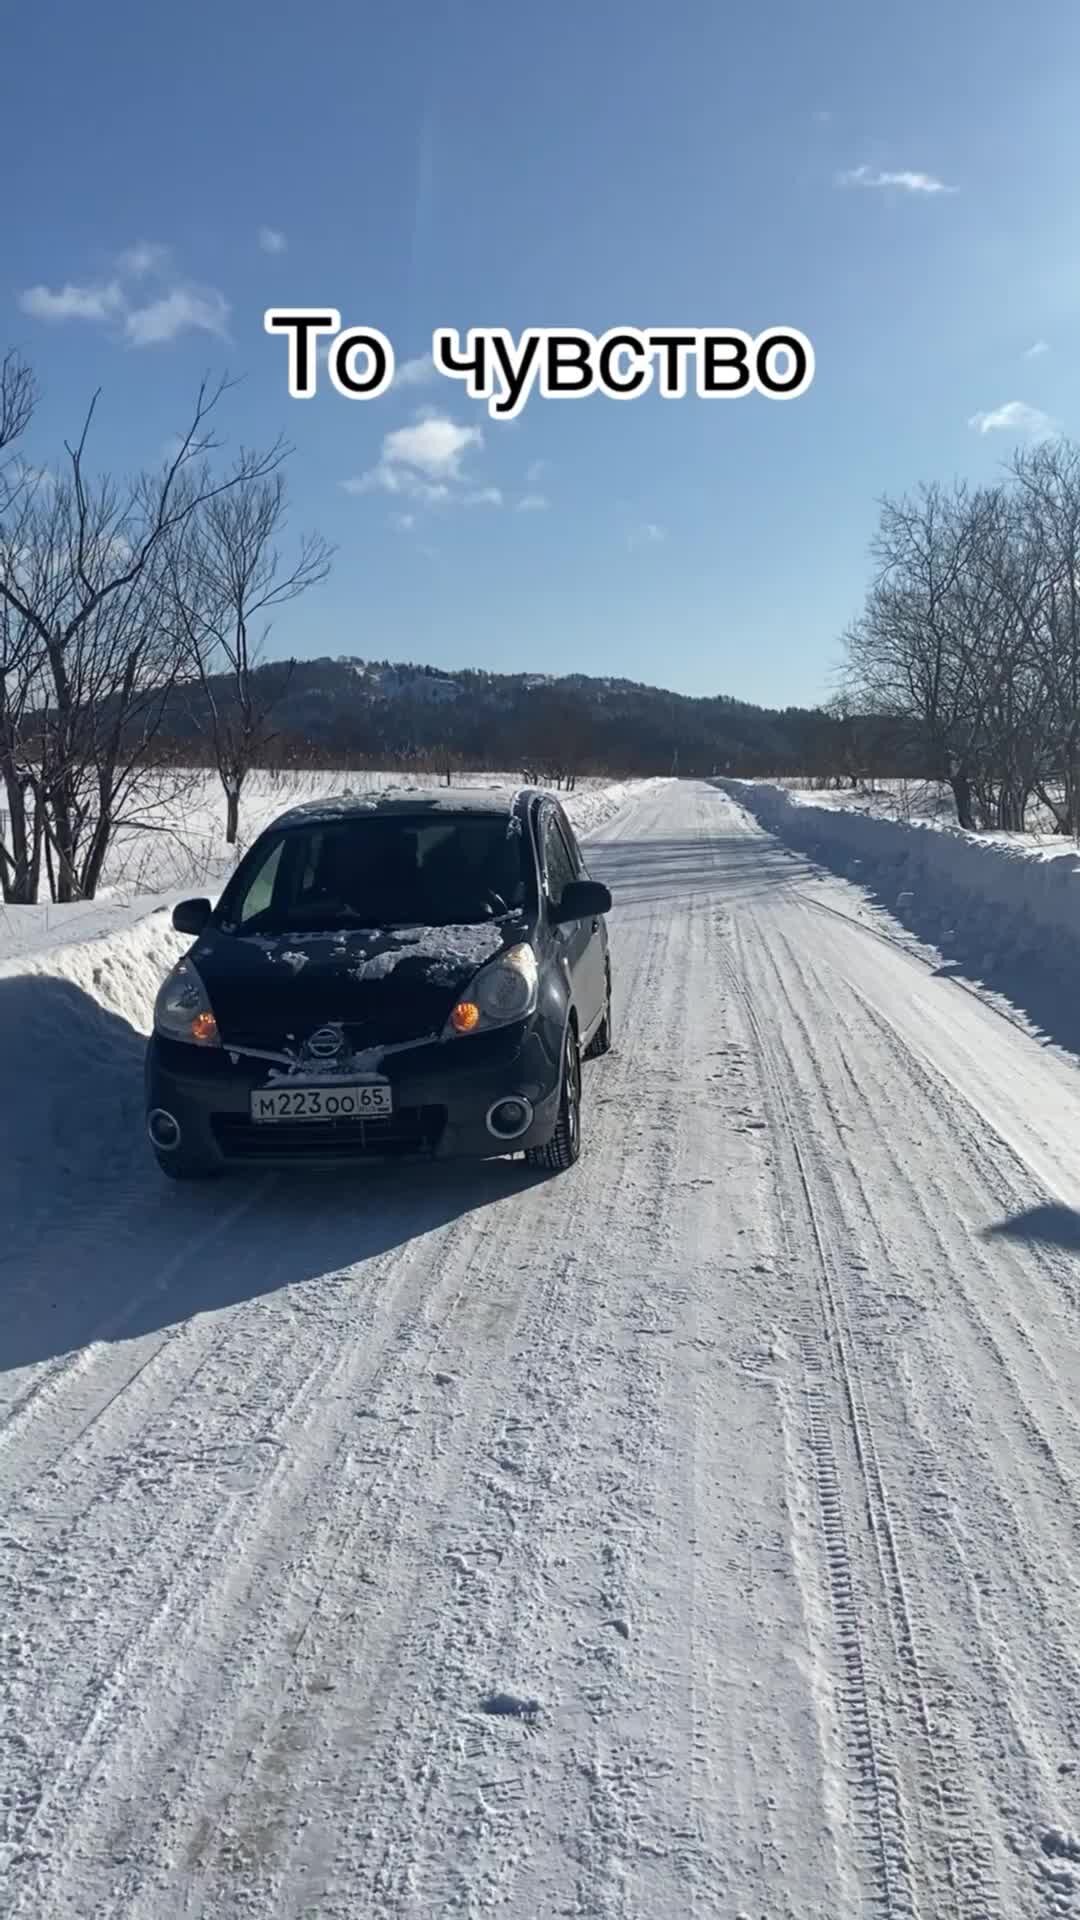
(164, 1130)
(509, 1119)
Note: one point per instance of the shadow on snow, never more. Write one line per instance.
(97, 1246)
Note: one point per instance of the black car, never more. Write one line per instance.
(406, 973)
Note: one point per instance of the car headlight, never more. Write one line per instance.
(182, 1010)
(506, 989)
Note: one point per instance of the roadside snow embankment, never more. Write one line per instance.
(590, 807)
(1007, 916)
(73, 1020)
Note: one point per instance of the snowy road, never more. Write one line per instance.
(696, 1534)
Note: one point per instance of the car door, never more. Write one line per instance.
(578, 940)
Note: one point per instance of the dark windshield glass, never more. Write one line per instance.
(378, 872)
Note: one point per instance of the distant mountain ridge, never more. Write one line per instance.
(354, 710)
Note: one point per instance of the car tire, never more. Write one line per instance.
(601, 1041)
(563, 1149)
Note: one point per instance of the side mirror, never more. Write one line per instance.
(582, 900)
(191, 916)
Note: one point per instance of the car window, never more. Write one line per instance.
(577, 860)
(383, 871)
(312, 853)
(260, 892)
(558, 866)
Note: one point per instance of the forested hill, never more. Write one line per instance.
(351, 710)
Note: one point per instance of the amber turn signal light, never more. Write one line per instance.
(204, 1028)
(465, 1017)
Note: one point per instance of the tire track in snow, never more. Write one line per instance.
(993, 1473)
(202, 1574)
(997, 1173)
(374, 1861)
(994, 1485)
(878, 1807)
(920, 1832)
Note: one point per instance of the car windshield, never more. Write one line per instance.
(378, 872)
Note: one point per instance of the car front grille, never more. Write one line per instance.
(358, 1038)
(412, 1130)
(271, 1018)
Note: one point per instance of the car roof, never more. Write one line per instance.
(412, 800)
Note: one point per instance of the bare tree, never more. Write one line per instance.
(86, 586)
(919, 648)
(21, 841)
(18, 398)
(20, 845)
(1048, 482)
(227, 576)
(971, 633)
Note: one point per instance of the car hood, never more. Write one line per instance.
(382, 986)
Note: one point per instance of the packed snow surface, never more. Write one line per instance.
(691, 1534)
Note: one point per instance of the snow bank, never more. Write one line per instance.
(925, 802)
(73, 1021)
(999, 909)
(591, 806)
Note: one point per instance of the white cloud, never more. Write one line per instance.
(147, 257)
(533, 503)
(73, 303)
(416, 373)
(178, 308)
(1040, 347)
(271, 240)
(183, 310)
(434, 446)
(387, 478)
(648, 535)
(423, 462)
(404, 522)
(906, 180)
(1016, 417)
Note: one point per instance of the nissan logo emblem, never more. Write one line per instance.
(325, 1043)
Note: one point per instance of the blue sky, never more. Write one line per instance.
(898, 183)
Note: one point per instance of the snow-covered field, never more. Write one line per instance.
(184, 851)
(692, 1534)
(920, 803)
(892, 799)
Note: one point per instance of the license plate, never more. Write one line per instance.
(321, 1103)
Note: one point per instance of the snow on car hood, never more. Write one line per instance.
(440, 956)
(389, 989)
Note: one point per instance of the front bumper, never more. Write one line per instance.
(442, 1093)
